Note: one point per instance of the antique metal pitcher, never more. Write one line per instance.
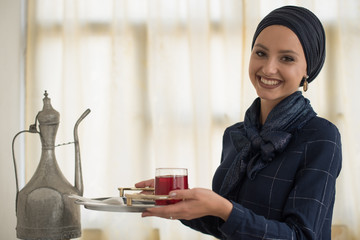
(43, 209)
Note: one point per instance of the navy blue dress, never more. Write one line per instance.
(291, 198)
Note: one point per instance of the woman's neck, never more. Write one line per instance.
(265, 108)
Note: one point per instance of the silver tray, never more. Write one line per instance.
(137, 205)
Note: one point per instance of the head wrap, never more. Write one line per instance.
(308, 29)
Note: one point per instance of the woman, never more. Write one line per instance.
(278, 169)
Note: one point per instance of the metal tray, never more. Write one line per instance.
(137, 205)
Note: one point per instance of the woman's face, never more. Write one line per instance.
(277, 63)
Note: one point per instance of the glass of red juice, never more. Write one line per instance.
(168, 179)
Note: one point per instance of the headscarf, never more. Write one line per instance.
(308, 29)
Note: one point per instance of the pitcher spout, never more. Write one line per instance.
(78, 171)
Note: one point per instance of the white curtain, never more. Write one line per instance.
(163, 79)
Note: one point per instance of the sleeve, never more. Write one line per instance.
(208, 225)
(309, 206)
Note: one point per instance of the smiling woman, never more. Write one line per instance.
(163, 81)
(261, 188)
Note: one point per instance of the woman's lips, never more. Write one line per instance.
(269, 83)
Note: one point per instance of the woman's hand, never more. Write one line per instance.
(197, 202)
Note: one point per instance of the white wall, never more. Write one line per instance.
(10, 110)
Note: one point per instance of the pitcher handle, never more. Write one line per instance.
(32, 129)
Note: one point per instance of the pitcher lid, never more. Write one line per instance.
(48, 115)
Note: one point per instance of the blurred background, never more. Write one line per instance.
(163, 79)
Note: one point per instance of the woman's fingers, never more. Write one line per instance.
(194, 193)
(146, 183)
(173, 211)
(197, 202)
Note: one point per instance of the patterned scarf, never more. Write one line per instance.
(257, 146)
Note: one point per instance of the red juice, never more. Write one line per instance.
(165, 184)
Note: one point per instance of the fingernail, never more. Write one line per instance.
(172, 194)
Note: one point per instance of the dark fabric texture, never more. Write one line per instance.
(257, 145)
(308, 29)
(291, 198)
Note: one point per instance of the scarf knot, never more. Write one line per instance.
(258, 145)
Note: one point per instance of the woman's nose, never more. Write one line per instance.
(270, 66)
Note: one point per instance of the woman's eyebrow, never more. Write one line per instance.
(285, 51)
(261, 46)
(288, 52)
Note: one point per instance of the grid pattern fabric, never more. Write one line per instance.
(292, 198)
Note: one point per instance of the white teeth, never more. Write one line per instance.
(269, 82)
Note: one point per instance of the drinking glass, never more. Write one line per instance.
(168, 179)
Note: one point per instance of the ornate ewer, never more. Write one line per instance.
(43, 209)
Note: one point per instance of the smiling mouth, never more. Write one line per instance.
(269, 82)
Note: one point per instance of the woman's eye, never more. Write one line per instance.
(260, 53)
(287, 59)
